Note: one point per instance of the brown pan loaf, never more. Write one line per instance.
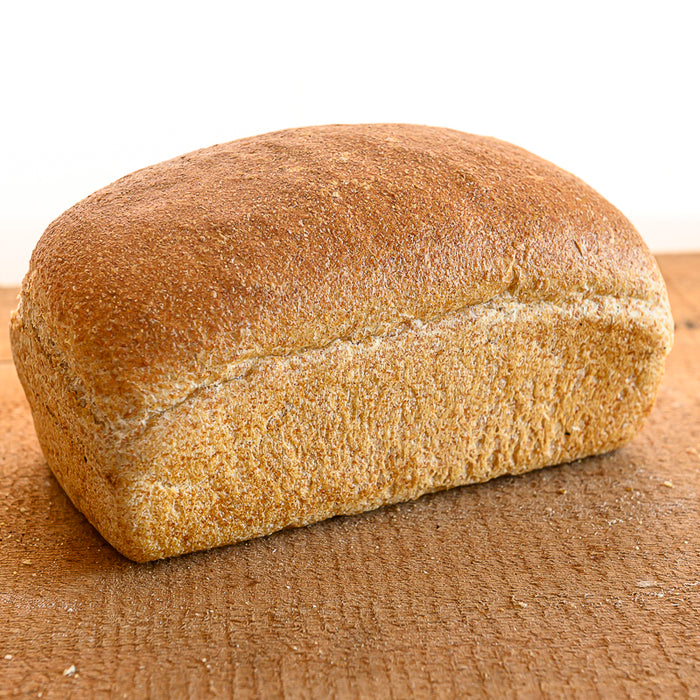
(273, 331)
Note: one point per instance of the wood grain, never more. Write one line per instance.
(577, 581)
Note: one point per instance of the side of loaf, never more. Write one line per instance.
(321, 321)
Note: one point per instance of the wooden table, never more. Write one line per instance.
(578, 581)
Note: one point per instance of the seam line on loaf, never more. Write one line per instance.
(133, 427)
(409, 324)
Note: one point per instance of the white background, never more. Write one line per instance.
(91, 91)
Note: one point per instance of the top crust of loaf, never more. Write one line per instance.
(154, 285)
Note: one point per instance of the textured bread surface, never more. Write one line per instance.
(319, 321)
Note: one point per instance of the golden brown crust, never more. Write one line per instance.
(293, 239)
(319, 321)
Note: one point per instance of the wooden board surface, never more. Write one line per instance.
(577, 581)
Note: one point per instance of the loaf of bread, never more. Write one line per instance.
(320, 321)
